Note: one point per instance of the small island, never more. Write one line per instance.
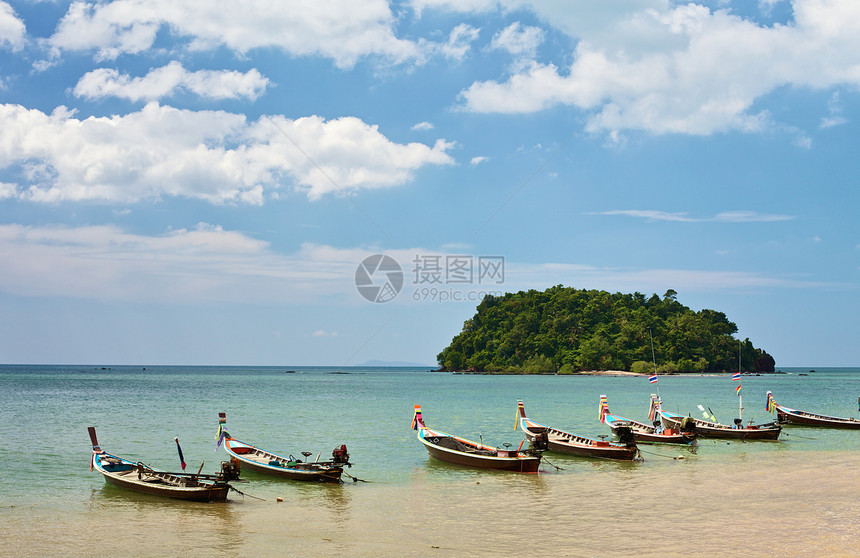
(564, 330)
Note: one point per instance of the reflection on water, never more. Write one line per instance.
(161, 525)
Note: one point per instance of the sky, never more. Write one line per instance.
(336, 182)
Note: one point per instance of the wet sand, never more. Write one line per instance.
(801, 504)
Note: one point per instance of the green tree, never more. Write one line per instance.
(563, 328)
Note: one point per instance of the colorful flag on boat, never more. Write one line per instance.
(416, 418)
(222, 422)
(652, 412)
(653, 378)
(738, 390)
(770, 406)
(707, 415)
(736, 376)
(604, 408)
(520, 413)
(181, 458)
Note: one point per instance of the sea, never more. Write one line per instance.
(798, 496)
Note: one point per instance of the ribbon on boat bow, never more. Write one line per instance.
(181, 458)
(222, 422)
(770, 406)
(604, 408)
(416, 418)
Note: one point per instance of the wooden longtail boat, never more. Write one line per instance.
(644, 433)
(142, 478)
(460, 451)
(268, 463)
(565, 442)
(787, 415)
(709, 429)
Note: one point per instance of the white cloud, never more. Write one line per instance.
(188, 266)
(8, 191)
(651, 280)
(211, 155)
(750, 217)
(12, 29)
(478, 160)
(667, 68)
(649, 214)
(423, 126)
(165, 81)
(518, 40)
(802, 141)
(834, 107)
(459, 41)
(683, 217)
(833, 121)
(210, 264)
(342, 30)
(106, 262)
(324, 333)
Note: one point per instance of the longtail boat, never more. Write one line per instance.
(787, 415)
(142, 478)
(713, 429)
(272, 464)
(565, 442)
(654, 433)
(460, 451)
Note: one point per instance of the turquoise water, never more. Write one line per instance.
(46, 410)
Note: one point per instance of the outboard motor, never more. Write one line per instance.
(540, 442)
(230, 470)
(340, 455)
(625, 435)
(688, 424)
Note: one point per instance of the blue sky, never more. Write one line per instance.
(198, 182)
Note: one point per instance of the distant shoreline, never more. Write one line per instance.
(612, 373)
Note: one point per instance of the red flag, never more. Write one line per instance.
(181, 459)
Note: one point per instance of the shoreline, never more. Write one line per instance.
(619, 373)
(610, 373)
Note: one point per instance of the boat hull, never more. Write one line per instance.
(267, 463)
(560, 443)
(707, 429)
(500, 460)
(126, 476)
(793, 416)
(564, 442)
(646, 434)
(644, 437)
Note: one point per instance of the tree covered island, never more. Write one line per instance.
(568, 330)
